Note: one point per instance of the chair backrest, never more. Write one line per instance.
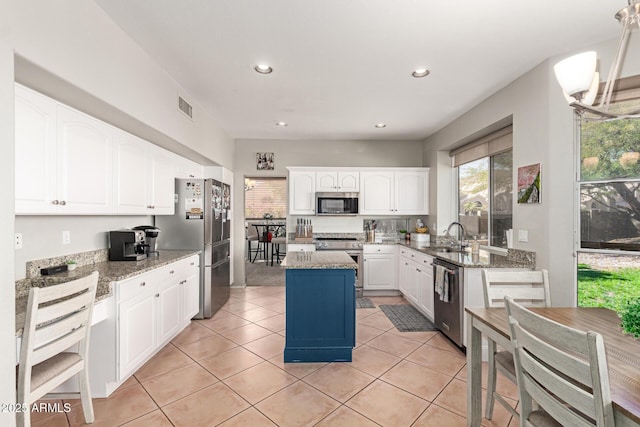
(529, 288)
(57, 317)
(563, 369)
(252, 232)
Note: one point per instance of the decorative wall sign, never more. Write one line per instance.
(264, 161)
(529, 184)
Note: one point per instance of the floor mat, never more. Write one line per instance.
(407, 319)
(364, 303)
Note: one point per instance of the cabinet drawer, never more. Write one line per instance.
(135, 286)
(379, 249)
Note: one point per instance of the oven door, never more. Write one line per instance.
(357, 257)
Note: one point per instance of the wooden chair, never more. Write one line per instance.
(57, 318)
(564, 370)
(531, 288)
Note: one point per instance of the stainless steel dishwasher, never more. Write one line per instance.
(448, 316)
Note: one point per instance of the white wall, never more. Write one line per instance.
(7, 288)
(311, 153)
(42, 235)
(543, 132)
(77, 43)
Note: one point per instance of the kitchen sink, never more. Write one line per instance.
(446, 249)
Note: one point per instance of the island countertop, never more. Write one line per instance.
(318, 260)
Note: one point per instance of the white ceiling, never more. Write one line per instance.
(341, 66)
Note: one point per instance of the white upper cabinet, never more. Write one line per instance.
(411, 192)
(131, 177)
(376, 194)
(63, 159)
(302, 192)
(343, 181)
(162, 181)
(69, 163)
(84, 164)
(186, 169)
(144, 177)
(395, 192)
(35, 152)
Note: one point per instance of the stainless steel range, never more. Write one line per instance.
(352, 246)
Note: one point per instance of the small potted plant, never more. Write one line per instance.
(71, 265)
(403, 234)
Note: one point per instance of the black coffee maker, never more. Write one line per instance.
(127, 245)
(150, 246)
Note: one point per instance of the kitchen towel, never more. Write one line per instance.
(442, 283)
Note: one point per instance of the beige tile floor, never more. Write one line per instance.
(228, 371)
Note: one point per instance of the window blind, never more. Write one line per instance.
(492, 144)
(265, 195)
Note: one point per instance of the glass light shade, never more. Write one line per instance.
(575, 74)
(590, 96)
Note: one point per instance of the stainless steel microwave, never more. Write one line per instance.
(336, 203)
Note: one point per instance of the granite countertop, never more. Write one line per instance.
(484, 259)
(318, 260)
(109, 272)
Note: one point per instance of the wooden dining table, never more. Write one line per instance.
(623, 354)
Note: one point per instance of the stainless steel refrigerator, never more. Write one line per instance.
(201, 222)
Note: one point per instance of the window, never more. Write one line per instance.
(610, 185)
(609, 205)
(485, 184)
(265, 196)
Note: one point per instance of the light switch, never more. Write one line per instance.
(66, 237)
(523, 235)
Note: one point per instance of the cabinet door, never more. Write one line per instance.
(327, 181)
(376, 193)
(190, 297)
(411, 193)
(380, 272)
(425, 289)
(35, 152)
(137, 332)
(302, 190)
(404, 270)
(348, 181)
(169, 309)
(131, 180)
(84, 164)
(162, 182)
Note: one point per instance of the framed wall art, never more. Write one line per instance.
(264, 161)
(529, 184)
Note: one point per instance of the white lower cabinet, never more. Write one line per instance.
(152, 309)
(380, 268)
(301, 247)
(137, 319)
(415, 277)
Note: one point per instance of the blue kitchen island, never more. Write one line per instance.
(320, 306)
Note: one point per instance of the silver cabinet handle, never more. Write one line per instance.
(143, 284)
(62, 202)
(157, 295)
(54, 202)
(418, 270)
(171, 271)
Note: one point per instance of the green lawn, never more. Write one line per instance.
(610, 289)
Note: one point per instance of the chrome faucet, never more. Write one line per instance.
(462, 233)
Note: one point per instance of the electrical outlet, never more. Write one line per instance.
(18, 241)
(66, 237)
(523, 236)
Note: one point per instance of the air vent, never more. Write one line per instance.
(185, 107)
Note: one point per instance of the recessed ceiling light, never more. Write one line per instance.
(281, 124)
(263, 69)
(381, 125)
(420, 72)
